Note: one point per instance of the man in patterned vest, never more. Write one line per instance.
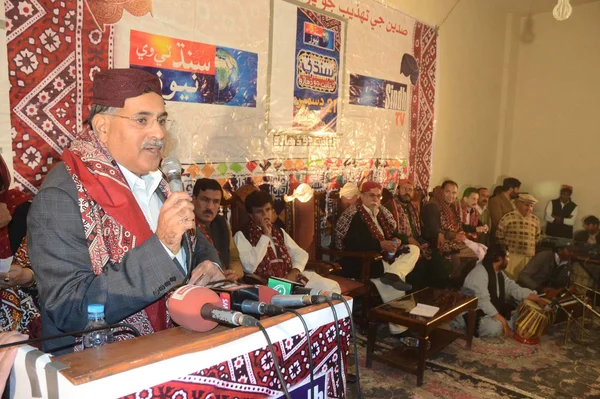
(561, 214)
(104, 227)
(268, 251)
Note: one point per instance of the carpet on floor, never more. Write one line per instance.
(493, 368)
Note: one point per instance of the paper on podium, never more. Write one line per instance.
(424, 310)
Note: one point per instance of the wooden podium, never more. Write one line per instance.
(182, 364)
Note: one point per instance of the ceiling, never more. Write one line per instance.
(535, 6)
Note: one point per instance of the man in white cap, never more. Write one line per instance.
(519, 231)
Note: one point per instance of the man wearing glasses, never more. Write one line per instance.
(369, 226)
(104, 227)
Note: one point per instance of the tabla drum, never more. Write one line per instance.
(532, 322)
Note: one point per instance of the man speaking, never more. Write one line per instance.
(104, 227)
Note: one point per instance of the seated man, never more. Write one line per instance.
(469, 214)
(406, 214)
(548, 270)
(589, 236)
(432, 269)
(268, 251)
(441, 217)
(484, 214)
(104, 227)
(491, 286)
(369, 226)
(207, 195)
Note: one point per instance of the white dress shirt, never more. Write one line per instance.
(252, 256)
(144, 191)
(374, 217)
(568, 221)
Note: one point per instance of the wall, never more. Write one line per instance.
(555, 134)
(473, 84)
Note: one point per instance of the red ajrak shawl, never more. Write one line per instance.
(112, 220)
(384, 217)
(272, 265)
(474, 221)
(401, 217)
(203, 231)
(450, 213)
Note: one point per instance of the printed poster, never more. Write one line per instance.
(317, 71)
(197, 72)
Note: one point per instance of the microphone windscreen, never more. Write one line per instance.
(186, 303)
(170, 165)
(265, 294)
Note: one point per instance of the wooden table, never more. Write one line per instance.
(412, 360)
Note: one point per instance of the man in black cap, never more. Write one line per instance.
(104, 227)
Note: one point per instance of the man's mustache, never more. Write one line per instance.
(153, 143)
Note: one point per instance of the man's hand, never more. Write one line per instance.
(267, 227)
(441, 241)
(539, 300)
(481, 229)
(557, 219)
(205, 272)
(292, 275)
(460, 236)
(412, 241)
(176, 216)
(231, 275)
(16, 275)
(5, 217)
(507, 331)
(389, 246)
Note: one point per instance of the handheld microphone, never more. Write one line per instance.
(171, 167)
(314, 291)
(261, 308)
(198, 309)
(296, 300)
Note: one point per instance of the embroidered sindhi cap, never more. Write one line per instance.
(368, 186)
(113, 86)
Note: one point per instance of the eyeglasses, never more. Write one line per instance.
(144, 123)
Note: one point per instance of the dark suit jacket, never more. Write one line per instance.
(359, 239)
(67, 284)
(542, 271)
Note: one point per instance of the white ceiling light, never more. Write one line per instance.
(562, 10)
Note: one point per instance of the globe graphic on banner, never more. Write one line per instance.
(228, 76)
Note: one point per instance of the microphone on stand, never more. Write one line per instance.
(198, 309)
(261, 308)
(317, 292)
(295, 301)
